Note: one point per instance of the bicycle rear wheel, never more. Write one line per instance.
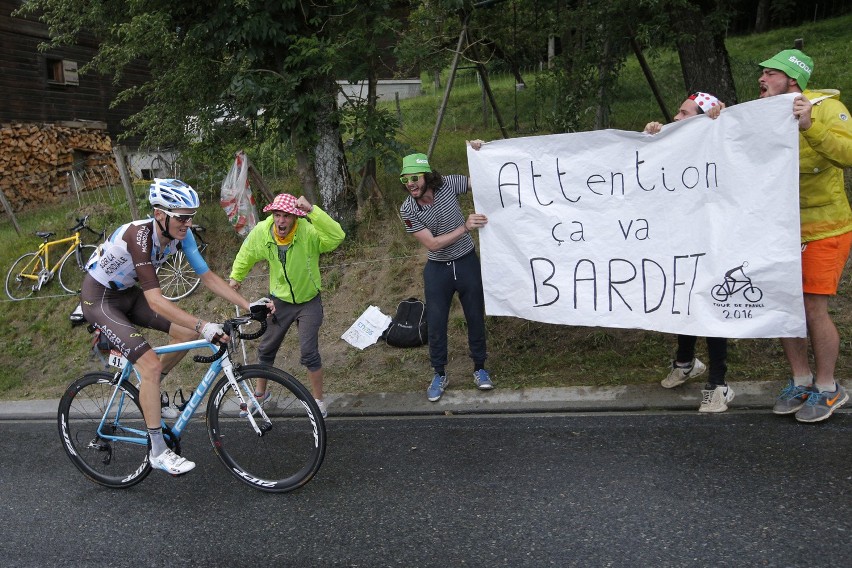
(117, 456)
(290, 449)
(177, 278)
(73, 268)
(18, 287)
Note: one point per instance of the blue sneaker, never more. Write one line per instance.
(436, 389)
(821, 405)
(791, 399)
(482, 380)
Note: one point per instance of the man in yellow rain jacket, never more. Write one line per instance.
(825, 148)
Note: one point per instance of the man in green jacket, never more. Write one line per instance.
(291, 241)
(825, 148)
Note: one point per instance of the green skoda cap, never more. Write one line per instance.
(415, 164)
(794, 63)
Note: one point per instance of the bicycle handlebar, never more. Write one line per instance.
(232, 327)
(83, 223)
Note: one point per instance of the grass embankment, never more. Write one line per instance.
(380, 265)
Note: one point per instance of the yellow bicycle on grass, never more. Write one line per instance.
(33, 270)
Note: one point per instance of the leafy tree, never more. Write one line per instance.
(369, 31)
(267, 62)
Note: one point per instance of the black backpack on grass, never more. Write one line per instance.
(408, 327)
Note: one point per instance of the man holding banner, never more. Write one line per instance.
(825, 148)
(716, 394)
(432, 213)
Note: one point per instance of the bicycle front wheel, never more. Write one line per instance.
(73, 268)
(107, 441)
(291, 446)
(177, 278)
(24, 275)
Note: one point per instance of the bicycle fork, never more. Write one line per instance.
(248, 402)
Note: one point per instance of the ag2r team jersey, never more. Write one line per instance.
(133, 253)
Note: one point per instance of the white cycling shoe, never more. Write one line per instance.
(171, 463)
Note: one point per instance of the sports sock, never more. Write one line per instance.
(158, 444)
(805, 381)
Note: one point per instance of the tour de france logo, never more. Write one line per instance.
(737, 291)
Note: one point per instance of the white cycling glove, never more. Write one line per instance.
(212, 332)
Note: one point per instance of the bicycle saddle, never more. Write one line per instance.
(44, 234)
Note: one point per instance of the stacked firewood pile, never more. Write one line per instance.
(42, 163)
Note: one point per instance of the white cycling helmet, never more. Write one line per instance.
(172, 194)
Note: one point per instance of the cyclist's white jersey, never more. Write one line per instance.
(133, 253)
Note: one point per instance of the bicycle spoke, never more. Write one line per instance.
(73, 269)
(291, 446)
(177, 278)
(23, 276)
(114, 455)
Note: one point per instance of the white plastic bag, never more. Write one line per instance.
(367, 328)
(236, 198)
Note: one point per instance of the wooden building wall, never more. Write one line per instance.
(27, 95)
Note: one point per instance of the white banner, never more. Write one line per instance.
(694, 230)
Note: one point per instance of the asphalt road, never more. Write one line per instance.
(603, 489)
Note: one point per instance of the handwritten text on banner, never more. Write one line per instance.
(694, 230)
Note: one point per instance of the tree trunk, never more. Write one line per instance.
(703, 57)
(304, 169)
(332, 174)
(761, 20)
(604, 73)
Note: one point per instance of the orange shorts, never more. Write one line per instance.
(823, 262)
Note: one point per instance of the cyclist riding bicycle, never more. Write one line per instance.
(116, 305)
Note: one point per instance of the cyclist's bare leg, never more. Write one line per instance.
(825, 340)
(149, 368)
(178, 334)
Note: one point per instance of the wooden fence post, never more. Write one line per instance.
(118, 151)
(8, 207)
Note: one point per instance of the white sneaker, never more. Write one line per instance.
(169, 412)
(171, 463)
(680, 375)
(323, 409)
(715, 399)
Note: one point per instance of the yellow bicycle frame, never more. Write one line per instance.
(44, 252)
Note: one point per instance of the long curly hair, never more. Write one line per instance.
(434, 180)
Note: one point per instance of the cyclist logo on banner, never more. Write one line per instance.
(737, 291)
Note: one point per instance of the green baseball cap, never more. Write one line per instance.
(793, 63)
(415, 164)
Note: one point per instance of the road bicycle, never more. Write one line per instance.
(31, 271)
(274, 446)
(177, 278)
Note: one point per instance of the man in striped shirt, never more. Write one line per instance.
(432, 213)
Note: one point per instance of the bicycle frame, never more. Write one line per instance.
(221, 364)
(44, 251)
